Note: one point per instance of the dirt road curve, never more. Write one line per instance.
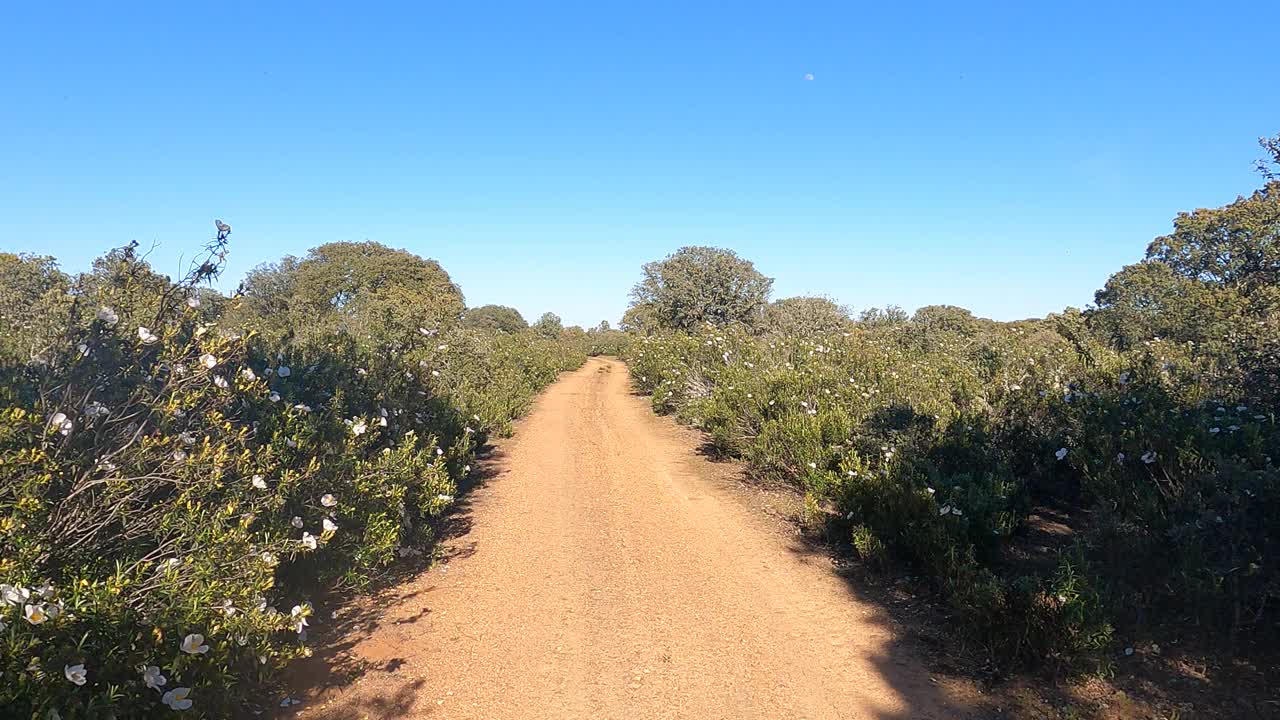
(611, 572)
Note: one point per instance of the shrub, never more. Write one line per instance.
(175, 487)
(933, 445)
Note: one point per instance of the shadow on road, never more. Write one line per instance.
(334, 663)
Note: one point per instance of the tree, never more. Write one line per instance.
(946, 318)
(495, 318)
(697, 285)
(1151, 299)
(1216, 272)
(639, 319)
(364, 289)
(34, 302)
(806, 316)
(548, 325)
(1236, 246)
(883, 317)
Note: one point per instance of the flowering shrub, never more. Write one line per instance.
(938, 445)
(173, 489)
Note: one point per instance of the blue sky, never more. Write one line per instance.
(1003, 157)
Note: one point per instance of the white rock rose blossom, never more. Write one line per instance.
(194, 644)
(178, 698)
(76, 673)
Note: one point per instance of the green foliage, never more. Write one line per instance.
(496, 318)
(173, 492)
(806, 315)
(938, 441)
(699, 285)
(33, 305)
(548, 326)
(363, 289)
(878, 317)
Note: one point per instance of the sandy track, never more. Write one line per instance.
(611, 572)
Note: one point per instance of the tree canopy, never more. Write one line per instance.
(495, 318)
(806, 316)
(364, 288)
(549, 325)
(697, 285)
(1216, 267)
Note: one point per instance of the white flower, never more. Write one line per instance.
(946, 510)
(299, 614)
(309, 540)
(328, 500)
(220, 381)
(296, 522)
(209, 361)
(152, 678)
(179, 456)
(259, 482)
(274, 396)
(284, 371)
(359, 427)
(76, 673)
(1214, 431)
(249, 374)
(1062, 452)
(60, 422)
(302, 407)
(35, 614)
(108, 316)
(1149, 457)
(269, 558)
(146, 336)
(329, 525)
(442, 347)
(193, 644)
(178, 698)
(14, 595)
(227, 607)
(435, 373)
(445, 498)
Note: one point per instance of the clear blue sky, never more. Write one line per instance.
(1006, 157)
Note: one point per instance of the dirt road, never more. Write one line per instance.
(611, 572)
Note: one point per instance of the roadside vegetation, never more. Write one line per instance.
(181, 472)
(1069, 485)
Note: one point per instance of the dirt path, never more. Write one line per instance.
(611, 572)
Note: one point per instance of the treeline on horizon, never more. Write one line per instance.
(186, 476)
